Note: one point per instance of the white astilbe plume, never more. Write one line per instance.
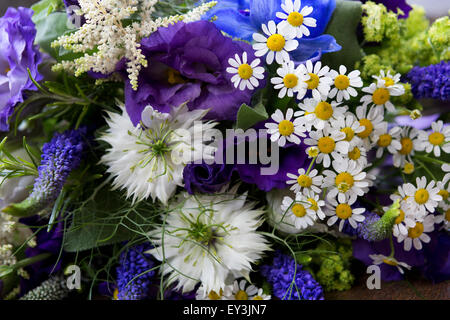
(105, 33)
(208, 238)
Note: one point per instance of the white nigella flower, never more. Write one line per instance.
(290, 81)
(372, 122)
(408, 141)
(223, 294)
(344, 84)
(342, 210)
(378, 259)
(148, 160)
(319, 81)
(275, 44)
(242, 290)
(299, 211)
(319, 113)
(295, 21)
(405, 220)
(329, 141)
(284, 129)
(349, 125)
(246, 73)
(303, 181)
(423, 197)
(437, 139)
(387, 139)
(207, 239)
(349, 182)
(417, 234)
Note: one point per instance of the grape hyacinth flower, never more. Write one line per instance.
(59, 157)
(430, 82)
(282, 273)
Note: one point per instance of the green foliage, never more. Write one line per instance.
(247, 117)
(12, 167)
(439, 35)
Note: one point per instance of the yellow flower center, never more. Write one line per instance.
(400, 217)
(286, 128)
(344, 181)
(295, 19)
(342, 82)
(447, 215)
(7, 69)
(421, 196)
(381, 96)
(290, 81)
(436, 138)
(343, 211)
(214, 296)
(174, 77)
(444, 194)
(276, 42)
(368, 128)
(298, 210)
(258, 298)
(323, 110)
(245, 71)
(384, 140)
(408, 168)
(313, 82)
(326, 145)
(407, 146)
(416, 231)
(355, 154)
(349, 133)
(304, 181)
(390, 262)
(388, 81)
(314, 204)
(116, 294)
(241, 295)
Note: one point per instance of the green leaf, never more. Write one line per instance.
(43, 8)
(50, 29)
(343, 27)
(247, 117)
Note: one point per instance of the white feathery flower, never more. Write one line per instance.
(299, 211)
(387, 139)
(284, 129)
(423, 197)
(434, 141)
(246, 73)
(319, 82)
(417, 234)
(303, 181)
(290, 81)
(372, 122)
(275, 44)
(408, 141)
(344, 85)
(208, 238)
(295, 21)
(319, 113)
(148, 160)
(342, 210)
(378, 259)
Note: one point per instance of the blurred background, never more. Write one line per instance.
(435, 8)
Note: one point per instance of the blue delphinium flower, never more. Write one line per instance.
(134, 262)
(432, 82)
(291, 284)
(242, 18)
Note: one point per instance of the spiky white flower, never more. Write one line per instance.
(290, 81)
(434, 141)
(296, 21)
(246, 73)
(148, 160)
(206, 239)
(319, 113)
(344, 85)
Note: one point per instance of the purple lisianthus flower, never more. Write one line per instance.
(206, 178)
(187, 62)
(422, 123)
(17, 53)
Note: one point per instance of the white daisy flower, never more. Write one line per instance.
(351, 127)
(223, 294)
(242, 290)
(303, 181)
(284, 129)
(372, 122)
(423, 197)
(444, 192)
(408, 140)
(290, 80)
(404, 220)
(379, 94)
(260, 295)
(348, 182)
(342, 210)
(344, 85)
(358, 156)
(275, 44)
(319, 113)
(446, 168)
(206, 239)
(246, 73)
(404, 204)
(295, 21)
(390, 82)
(437, 139)
(389, 140)
(319, 82)
(378, 259)
(316, 203)
(329, 141)
(145, 159)
(444, 217)
(417, 234)
(299, 211)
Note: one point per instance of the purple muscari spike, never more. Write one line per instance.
(430, 82)
(281, 275)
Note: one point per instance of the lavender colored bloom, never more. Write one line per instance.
(422, 123)
(134, 262)
(206, 178)
(282, 273)
(17, 53)
(363, 230)
(187, 63)
(432, 82)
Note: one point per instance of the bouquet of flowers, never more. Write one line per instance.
(221, 150)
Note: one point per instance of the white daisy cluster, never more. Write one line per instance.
(111, 40)
(239, 290)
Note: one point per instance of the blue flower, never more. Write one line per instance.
(430, 82)
(242, 18)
